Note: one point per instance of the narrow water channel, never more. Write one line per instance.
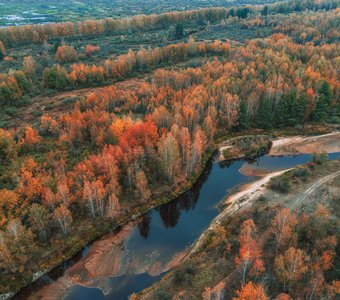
(133, 258)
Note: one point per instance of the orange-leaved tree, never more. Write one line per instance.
(283, 225)
(63, 217)
(250, 254)
(291, 266)
(89, 49)
(251, 291)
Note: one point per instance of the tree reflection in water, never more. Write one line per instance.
(228, 163)
(171, 212)
(144, 226)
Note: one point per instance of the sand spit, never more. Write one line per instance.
(329, 143)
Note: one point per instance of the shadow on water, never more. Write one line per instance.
(171, 212)
(152, 246)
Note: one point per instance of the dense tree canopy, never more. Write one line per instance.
(120, 146)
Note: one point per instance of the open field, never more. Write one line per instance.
(14, 12)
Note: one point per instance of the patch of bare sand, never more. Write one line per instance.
(329, 143)
(250, 191)
(109, 257)
(253, 170)
(104, 259)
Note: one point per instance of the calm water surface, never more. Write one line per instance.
(144, 251)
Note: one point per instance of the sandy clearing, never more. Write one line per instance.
(329, 143)
(221, 150)
(252, 191)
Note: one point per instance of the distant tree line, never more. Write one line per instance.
(18, 35)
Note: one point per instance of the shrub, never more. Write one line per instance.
(49, 107)
(183, 276)
(66, 54)
(70, 100)
(262, 199)
(301, 172)
(89, 49)
(55, 78)
(280, 184)
(320, 158)
(24, 101)
(335, 120)
(227, 154)
(161, 294)
(257, 150)
(37, 113)
(11, 111)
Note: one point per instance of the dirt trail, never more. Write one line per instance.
(253, 191)
(316, 185)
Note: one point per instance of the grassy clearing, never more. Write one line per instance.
(14, 12)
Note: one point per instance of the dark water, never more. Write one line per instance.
(170, 229)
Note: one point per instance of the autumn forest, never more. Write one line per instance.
(102, 120)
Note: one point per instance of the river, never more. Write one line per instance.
(138, 254)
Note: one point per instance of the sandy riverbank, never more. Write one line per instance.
(235, 202)
(329, 143)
